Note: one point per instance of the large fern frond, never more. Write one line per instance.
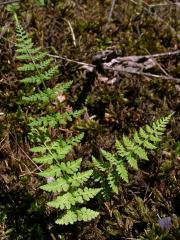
(63, 175)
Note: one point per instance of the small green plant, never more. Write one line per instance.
(63, 177)
(128, 152)
(47, 118)
(41, 2)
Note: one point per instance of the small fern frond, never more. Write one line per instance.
(41, 77)
(72, 216)
(59, 185)
(132, 161)
(85, 214)
(102, 166)
(54, 119)
(109, 156)
(46, 159)
(122, 171)
(35, 66)
(48, 94)
(129, 151)
(67, 200)
(69, 167)
(75, 140)
(50, 157)
(120, 149)
(79, 178)
(112, 181)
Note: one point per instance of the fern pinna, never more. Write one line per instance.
(128, 152)
(64, 178)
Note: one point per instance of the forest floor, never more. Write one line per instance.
(77, 30)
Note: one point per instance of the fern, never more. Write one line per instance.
(37, 61)
(64, 178)
(128, 152)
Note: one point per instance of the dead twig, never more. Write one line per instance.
(111, 10)
(136, 58)
(9, 2)
(145, 74)
(72, 31)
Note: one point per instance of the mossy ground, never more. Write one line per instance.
(136, 28)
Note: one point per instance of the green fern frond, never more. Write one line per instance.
(54, 119)
(35, 66)
(39, 56)
(41, 77)
(36, 61)
(69, 167)
(122, 171)
(120, 149)
(75, 140)
(72, 216)
(79, 178)
(63, 176)
(112, 181)
(102, 166)
(67, 200)
(109, 156)
(59, 185)
(129, 152)
(48, 158)
(48, 94)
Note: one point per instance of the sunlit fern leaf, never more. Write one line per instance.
(75, 140)
(102, 166)
(109, 156)
(47, 95)
(141, 153)
(128, 143)
(112, 181)
(48, 158)
(79, 178)
(69, 167)
(72, 216)
(129, 151)
(72, 166)
(149, 129)
(143, 134)
(154, 139)
(85, 214)
(39, 149)
(122, 171)
(52, 171)
(67, 200)
(120, 149)
(58, 185)
(41, 77)
(69, 217)
(149, 145)
(132, 162)
(64, 201)
(81, 195)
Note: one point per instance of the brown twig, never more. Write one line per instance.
(145, 74)
(131, 57)
(9, 2)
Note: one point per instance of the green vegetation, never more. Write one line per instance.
(75, 161)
